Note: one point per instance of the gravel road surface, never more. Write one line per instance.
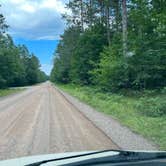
(40, 120)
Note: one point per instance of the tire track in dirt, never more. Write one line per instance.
(41, 121)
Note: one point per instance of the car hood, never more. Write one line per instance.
(38, 158)
(71, 157)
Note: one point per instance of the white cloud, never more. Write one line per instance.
(17, 1)
(46, 68)
(54, 5)
(28, 8)
(47, 37)
(34, 19)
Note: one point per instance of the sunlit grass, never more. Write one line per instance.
(123, 107)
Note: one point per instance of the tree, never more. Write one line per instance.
(64, 55)
(124, 25)
(3, 25)
(17, 66)
(32, 70)
(122, 45)
(87, 53)
(78, 9)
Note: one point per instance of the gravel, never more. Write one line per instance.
(40, 120)
(119, 134)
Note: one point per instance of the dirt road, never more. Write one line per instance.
(40, 121)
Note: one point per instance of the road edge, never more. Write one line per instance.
(122, 136)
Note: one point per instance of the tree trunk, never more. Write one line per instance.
(101, 10)
(91, 11)
(124, 26)
(117, 14)
(82, 20)
(108, 23)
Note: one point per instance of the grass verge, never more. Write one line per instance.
(6, 92)
(122, 106)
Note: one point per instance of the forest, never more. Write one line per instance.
(18, 67)
(112, 56)
(113, 44)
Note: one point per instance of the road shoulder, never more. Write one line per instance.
(121, 135)
(5, 93)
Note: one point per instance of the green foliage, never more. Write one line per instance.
(81, 59)
(148, 70)
(6, 92)
(2, 82)
(87, 54)
(17, 66)
(117, 59)
(154, 107)
(32, 70)
(163, 90)
(77, 54)
(122, 106)
(137, 72)
(3, 25)
(111, 73)
(10, 64)
(64, 55)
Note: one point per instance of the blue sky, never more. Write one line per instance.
(43, 49)
(37, 24)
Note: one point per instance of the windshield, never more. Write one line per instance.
(82, 76)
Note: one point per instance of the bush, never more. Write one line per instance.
(153, 107)
(112, 71)
(163, 91)
(2, 82)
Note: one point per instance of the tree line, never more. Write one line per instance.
(113, 44)
(18, 67)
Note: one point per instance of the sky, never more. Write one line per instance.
(37, 24)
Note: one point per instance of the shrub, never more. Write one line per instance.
(153, 107)
(2, 82)
(112, 71)
(163, 91)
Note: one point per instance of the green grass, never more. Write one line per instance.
(122, 106)
(6, 92)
